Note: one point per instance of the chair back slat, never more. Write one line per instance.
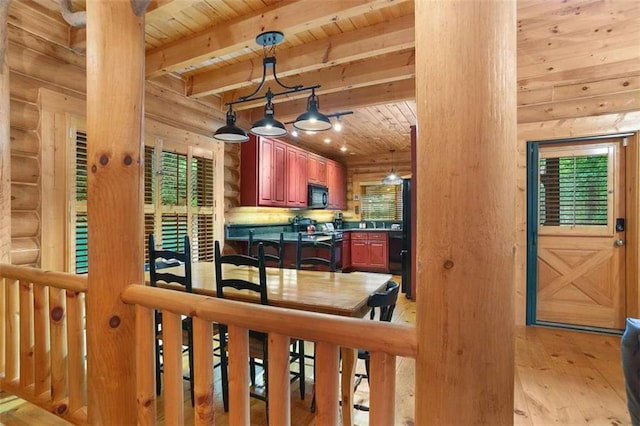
(277, 246)
(384, 301)
(310, 261)
(259, 287)
(163, 256)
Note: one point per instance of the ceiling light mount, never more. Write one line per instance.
(311, 120)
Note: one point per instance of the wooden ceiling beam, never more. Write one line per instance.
(237, 34)
(340, 101)
(368, 72)
(380, 39)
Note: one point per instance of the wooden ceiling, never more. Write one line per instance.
(362, 54)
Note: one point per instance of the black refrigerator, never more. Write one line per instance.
(407, 253)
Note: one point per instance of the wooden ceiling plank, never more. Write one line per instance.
(347, 100)
(596, 105)
(571, 63)
(235, 35)
(629, 41)
(581, 74)
(375, 40)
(627, 29)
(597, 88)
(369, 72)
(573, 18)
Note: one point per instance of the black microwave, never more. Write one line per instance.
(317, 196)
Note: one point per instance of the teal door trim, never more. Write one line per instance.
(533, 149)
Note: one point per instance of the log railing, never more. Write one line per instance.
(385, 342)
(44, 349)
(44, 339)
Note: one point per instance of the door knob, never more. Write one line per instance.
(619, 243)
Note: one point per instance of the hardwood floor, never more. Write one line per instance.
(562, 377)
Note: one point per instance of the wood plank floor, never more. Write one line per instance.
(562, 377)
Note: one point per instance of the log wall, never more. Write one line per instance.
(39, 57)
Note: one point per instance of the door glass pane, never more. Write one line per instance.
(574, 190)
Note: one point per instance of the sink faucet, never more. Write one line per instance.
(373, 224)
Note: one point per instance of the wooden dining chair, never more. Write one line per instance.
(257, 341)
(382, 305)
(276, 247)
(324, 254)
(163, 258)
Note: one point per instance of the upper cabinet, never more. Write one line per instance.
(337, 184)
(262, 173)
(296, 177)
(276, 174)
(317, 169)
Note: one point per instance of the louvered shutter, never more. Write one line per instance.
(81, 223)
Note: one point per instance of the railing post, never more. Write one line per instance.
(279, 382)
(115, 89)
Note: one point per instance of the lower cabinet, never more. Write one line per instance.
(369, 251)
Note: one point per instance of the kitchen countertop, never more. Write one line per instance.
(371, 230)
(289, 237)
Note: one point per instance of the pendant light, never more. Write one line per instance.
(312, 120)
(231, 132)
(392, 178)
(268, 125)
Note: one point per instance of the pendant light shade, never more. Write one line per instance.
(230, 132)
(268, 126)
(312, 120)
(392, 178)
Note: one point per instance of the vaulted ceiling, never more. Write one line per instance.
(361, 52)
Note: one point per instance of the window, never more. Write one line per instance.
(80, 219)
(184, 188)
(186, 207)
(575, 189)
(381, 202)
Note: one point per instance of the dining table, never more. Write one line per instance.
(334, 293)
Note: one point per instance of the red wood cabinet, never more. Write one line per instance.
(276, 174)
(317, 169)
(369, 251)
(296, 177)
(263, 172)
(337, 185)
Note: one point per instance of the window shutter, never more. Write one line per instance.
(174, 179)
(81, 225)
(81, 166)
(574, 191)
(149, 173)
(174, 228)
(148, 229)
(202, 182)
(202, 238)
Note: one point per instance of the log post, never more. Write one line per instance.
(115, 88)
(466, 172)
(5, 170)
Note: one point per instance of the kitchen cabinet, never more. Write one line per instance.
(316, 169)
(337, 185)
(263, 172)
(346, 251)
(296, 181)
(369, 251)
